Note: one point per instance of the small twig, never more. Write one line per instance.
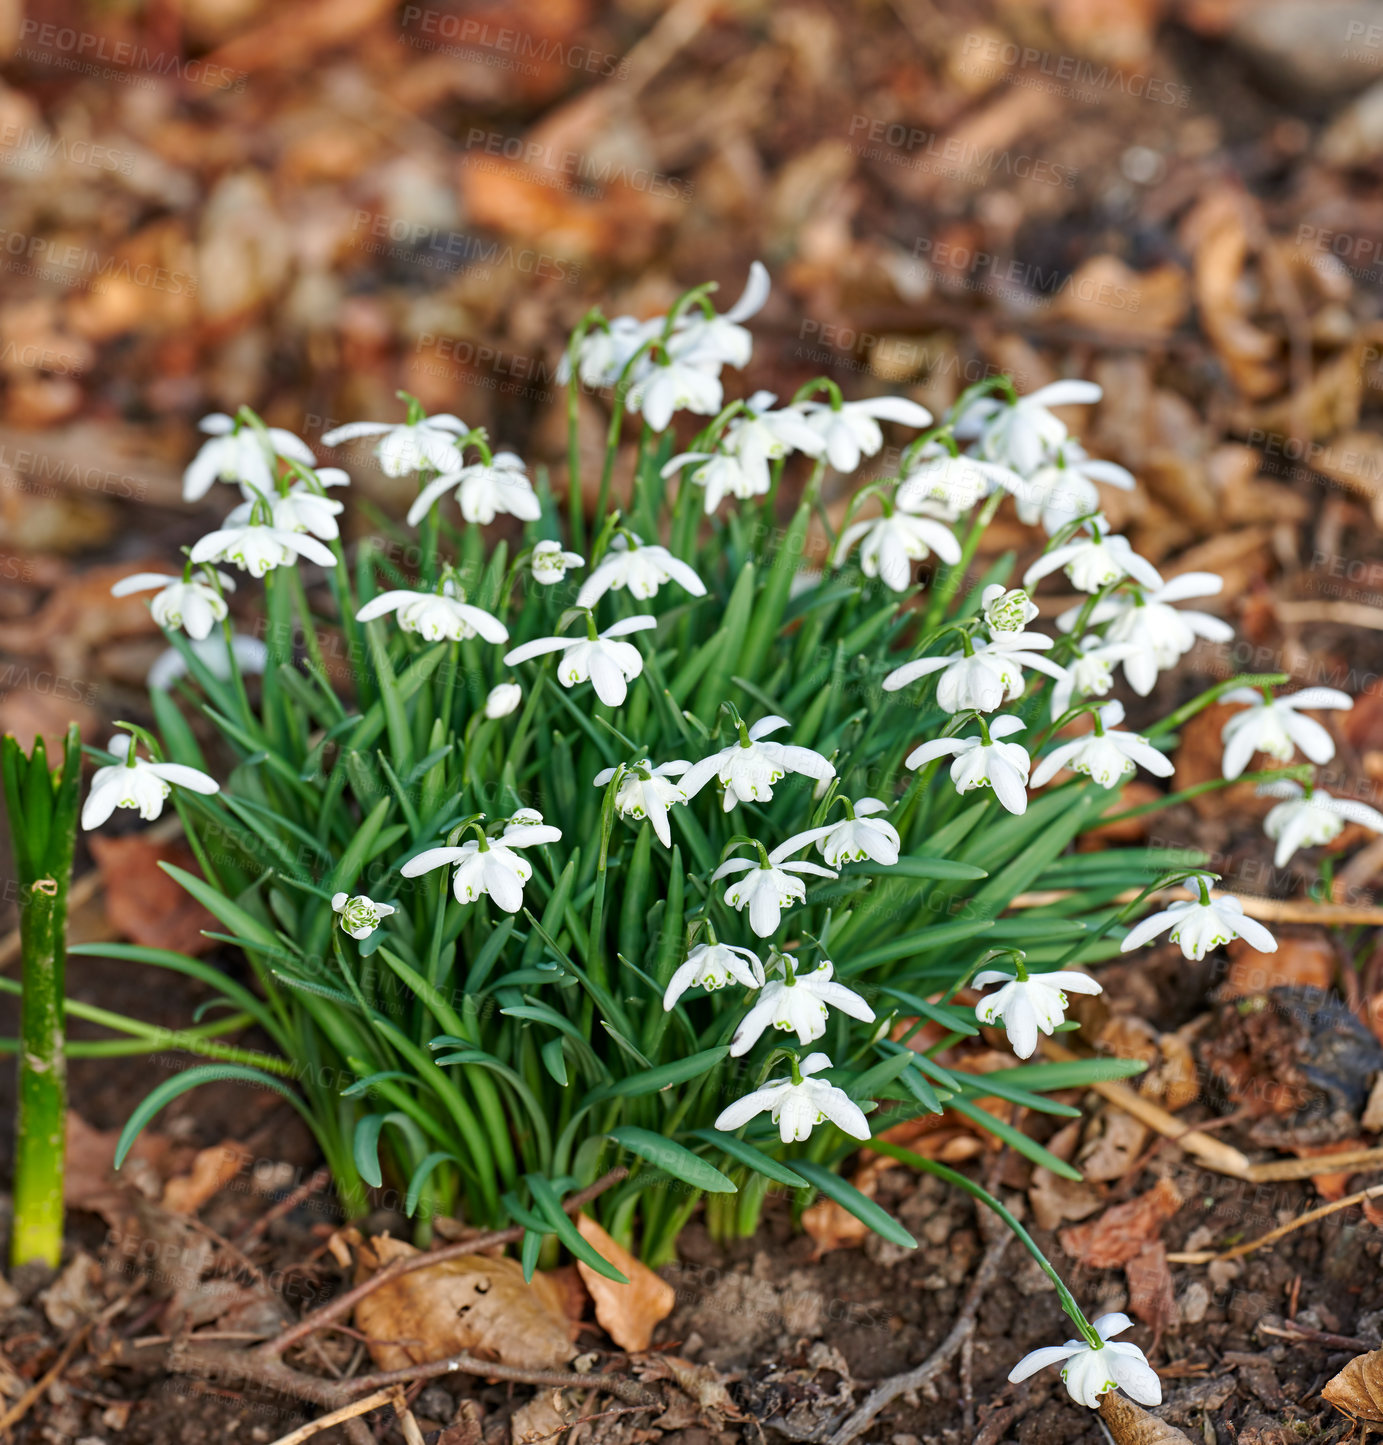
(337, 1417)
(39, 1389)
(1273, 1235)
(621, 1386)
(884, 1394)
(586, 1420)
(287, 1205)
(343, 1304)
(1293, 1331)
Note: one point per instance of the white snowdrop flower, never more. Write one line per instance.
(1308, 819)
(483, 490)
(982, 762)
(1200, 924)
(647, 792)
(428, 443)
(1090, 673)
(491, 868)
(770, 886)
(1274, 725)
(711, 966)
(1160, 633)
(137, 783)
(436, 616)
(721, 474)
(748, 769)
(641, 567)
(1094, 561)
(1029, 1002)
(798, 1105)
(851, 430)
(892, 543)
(1006, 611)
(798, 1003)
(985, 676)
(550, 563)
(609, 664)
(1089, 1372)
(672, 386)
(1022, 435)
(193, 605)
(721, 338)
(250, 654)
(502, 699)
(258, 548)
(950, 485)
(863, 834)
(1064, 488)
(299, 510)
(360, 916)
(759, 435)
(604, 352)
(1106, 755)
(236, 452)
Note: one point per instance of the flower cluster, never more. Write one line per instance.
(706, 862)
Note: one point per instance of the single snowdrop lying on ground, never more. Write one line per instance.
(1274, 725)
(1029, 1002)
(1308, 817)
(137, 783)
(1091, 1370)
(1200, 924)
(798, 1104)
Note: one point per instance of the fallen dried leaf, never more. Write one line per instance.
(1121, 1232)
(1131, 1424)
(1300, 962)
(211, 1171)
(472, 1305)
(1357, 1391)
(629, 1312)
(1118, 1142)
(75, 1296)
(1150, 1294)
(143, 903)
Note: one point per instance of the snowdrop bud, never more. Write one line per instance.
(1007, 611)
(360, 916)
(503, 699)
